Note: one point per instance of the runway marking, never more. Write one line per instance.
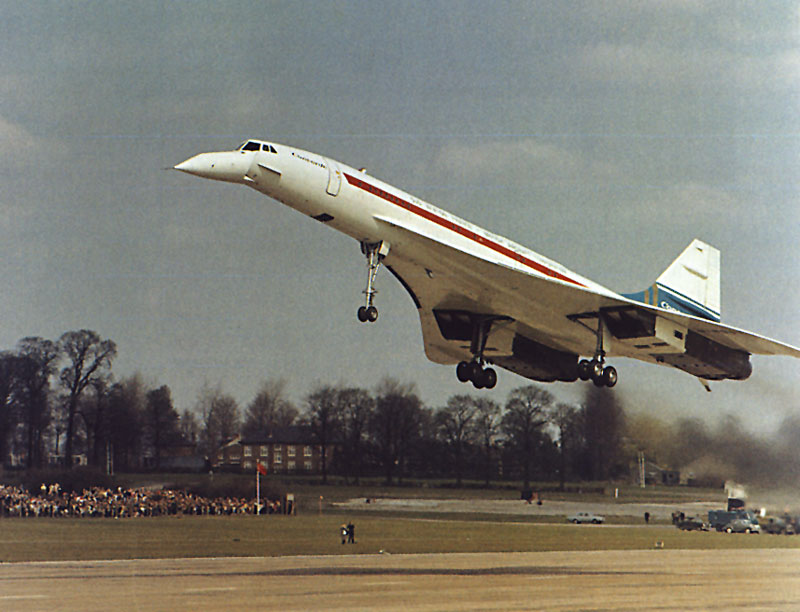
(210, 590)
(18, 597)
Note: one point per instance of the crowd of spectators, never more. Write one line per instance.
(51, 501)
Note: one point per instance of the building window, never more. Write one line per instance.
(248, 465)
(278, 458)
(292, 465)
(291, 451)
(248, 451)
(264, 450)
(307, 466)
(307, 451)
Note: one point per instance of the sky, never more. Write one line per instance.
(604, 135)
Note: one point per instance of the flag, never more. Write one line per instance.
(261, 469)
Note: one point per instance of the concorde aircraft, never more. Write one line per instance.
(484, 300)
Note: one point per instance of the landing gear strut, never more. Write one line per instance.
(375, 252)
(596, 370)
(473, 371)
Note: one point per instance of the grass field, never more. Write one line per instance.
(315, 530)
(174, 537)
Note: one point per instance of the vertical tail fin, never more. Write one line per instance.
(690, 284)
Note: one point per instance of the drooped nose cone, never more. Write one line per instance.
(230, 166)
(195, 165)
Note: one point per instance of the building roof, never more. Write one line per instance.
(293, 434)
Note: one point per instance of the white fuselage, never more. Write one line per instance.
(368, 209)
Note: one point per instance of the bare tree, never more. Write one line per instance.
(88, 359)
(487, 427)
(564, 418)
(269, 409)
(357, 406)
(92, 409)
(37, 359)
(8, 383)
(161, 421)
(455, 424)
(395, 425)
(125, 417)
(525, 415)
(219, 418)
(323, 413)
(189, 426)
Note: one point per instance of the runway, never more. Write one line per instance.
(618, 580)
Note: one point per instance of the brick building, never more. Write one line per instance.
(285, 450)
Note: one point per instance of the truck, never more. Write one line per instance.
(720, 519)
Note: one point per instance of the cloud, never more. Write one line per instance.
(14, 139)
(673, 69)
(514, 161)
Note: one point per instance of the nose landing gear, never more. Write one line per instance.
(375, 252)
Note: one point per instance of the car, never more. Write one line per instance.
(692, 523)
(586, 517)
(779, 525)
(742, 525)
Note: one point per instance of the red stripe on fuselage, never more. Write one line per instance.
(463, 231)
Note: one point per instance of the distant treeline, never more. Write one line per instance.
(59, 399)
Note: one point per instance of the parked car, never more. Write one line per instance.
(743, 525)
(586, 517)
(778, 526)
(692, 523)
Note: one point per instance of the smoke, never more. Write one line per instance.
(729, 451)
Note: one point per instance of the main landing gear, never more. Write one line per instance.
(602, 376)
(375, 252)
(596, 370)
(473, 371)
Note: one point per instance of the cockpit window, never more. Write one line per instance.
(268, 148)
(251, 146)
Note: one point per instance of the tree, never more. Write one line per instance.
(161, 421)
(455, 423)
(219, 418)
(125, 416)
(525, 415)
(357, 407)
(323, 414)
(8, 383)
(565, 418)
(487, 426)
(36, 364)
(269, 409)
(395, 425)
(189, 426)
(89, 360)
(93, 411)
